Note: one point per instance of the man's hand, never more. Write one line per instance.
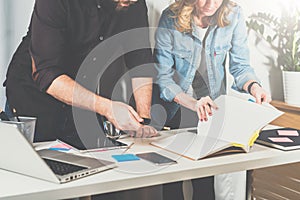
(144, 131)
(123, 116)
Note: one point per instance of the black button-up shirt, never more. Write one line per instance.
(61, 34)
(65, 31)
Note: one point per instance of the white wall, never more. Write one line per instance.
(14, 20)
(269, 75)
(155, 7)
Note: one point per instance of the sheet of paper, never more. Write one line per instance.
(236, 120)
(280, 139)
(288, 133)
(191, 145)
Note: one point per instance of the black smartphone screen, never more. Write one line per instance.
(93, 143)
(156, 158)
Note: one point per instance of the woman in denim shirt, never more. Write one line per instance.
(192, 43)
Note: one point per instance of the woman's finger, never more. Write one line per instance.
(212, 103)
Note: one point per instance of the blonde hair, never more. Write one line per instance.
(184, 10)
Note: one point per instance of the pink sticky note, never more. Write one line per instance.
(288, 133)
(60, 146)
(280, 139)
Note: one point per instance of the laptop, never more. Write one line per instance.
(18, 155)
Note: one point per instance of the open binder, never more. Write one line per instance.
(234, 127)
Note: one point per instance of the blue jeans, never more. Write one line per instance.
(8, 110)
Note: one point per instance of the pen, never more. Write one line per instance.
(15, 114)
(254, 101)
(166, 128)
(3, 116)
(128, 148)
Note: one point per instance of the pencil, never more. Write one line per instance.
(128, 147)
(15, 114)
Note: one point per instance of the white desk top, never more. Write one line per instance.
(135, 174)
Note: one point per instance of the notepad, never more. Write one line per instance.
(125, 157)
(232, 128)
(280, 138)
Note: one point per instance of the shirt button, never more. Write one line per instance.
(101, 38)
(98, 6)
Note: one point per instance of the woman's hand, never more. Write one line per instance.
(204, 107)
(260, 94)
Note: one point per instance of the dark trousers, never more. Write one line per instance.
(145, 193)
(203, 189)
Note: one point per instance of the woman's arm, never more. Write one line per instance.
(239, 64)
(164, 59)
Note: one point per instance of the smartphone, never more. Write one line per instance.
(156, 158)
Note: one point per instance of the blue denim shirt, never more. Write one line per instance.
(178, 56)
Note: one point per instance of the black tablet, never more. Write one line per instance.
(92, 143)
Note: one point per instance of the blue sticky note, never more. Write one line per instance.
(59, 149)
(125, 157)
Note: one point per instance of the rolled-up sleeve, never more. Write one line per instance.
(165, 61)
(239, 54)
(48, 40)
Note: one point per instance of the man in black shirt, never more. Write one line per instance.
(41, 76)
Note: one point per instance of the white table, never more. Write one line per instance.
(137, 174)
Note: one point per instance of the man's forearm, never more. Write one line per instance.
(142, 91)
(68, 91)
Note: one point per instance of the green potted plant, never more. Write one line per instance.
(283, 35)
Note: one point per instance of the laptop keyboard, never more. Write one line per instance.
(61, 168)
